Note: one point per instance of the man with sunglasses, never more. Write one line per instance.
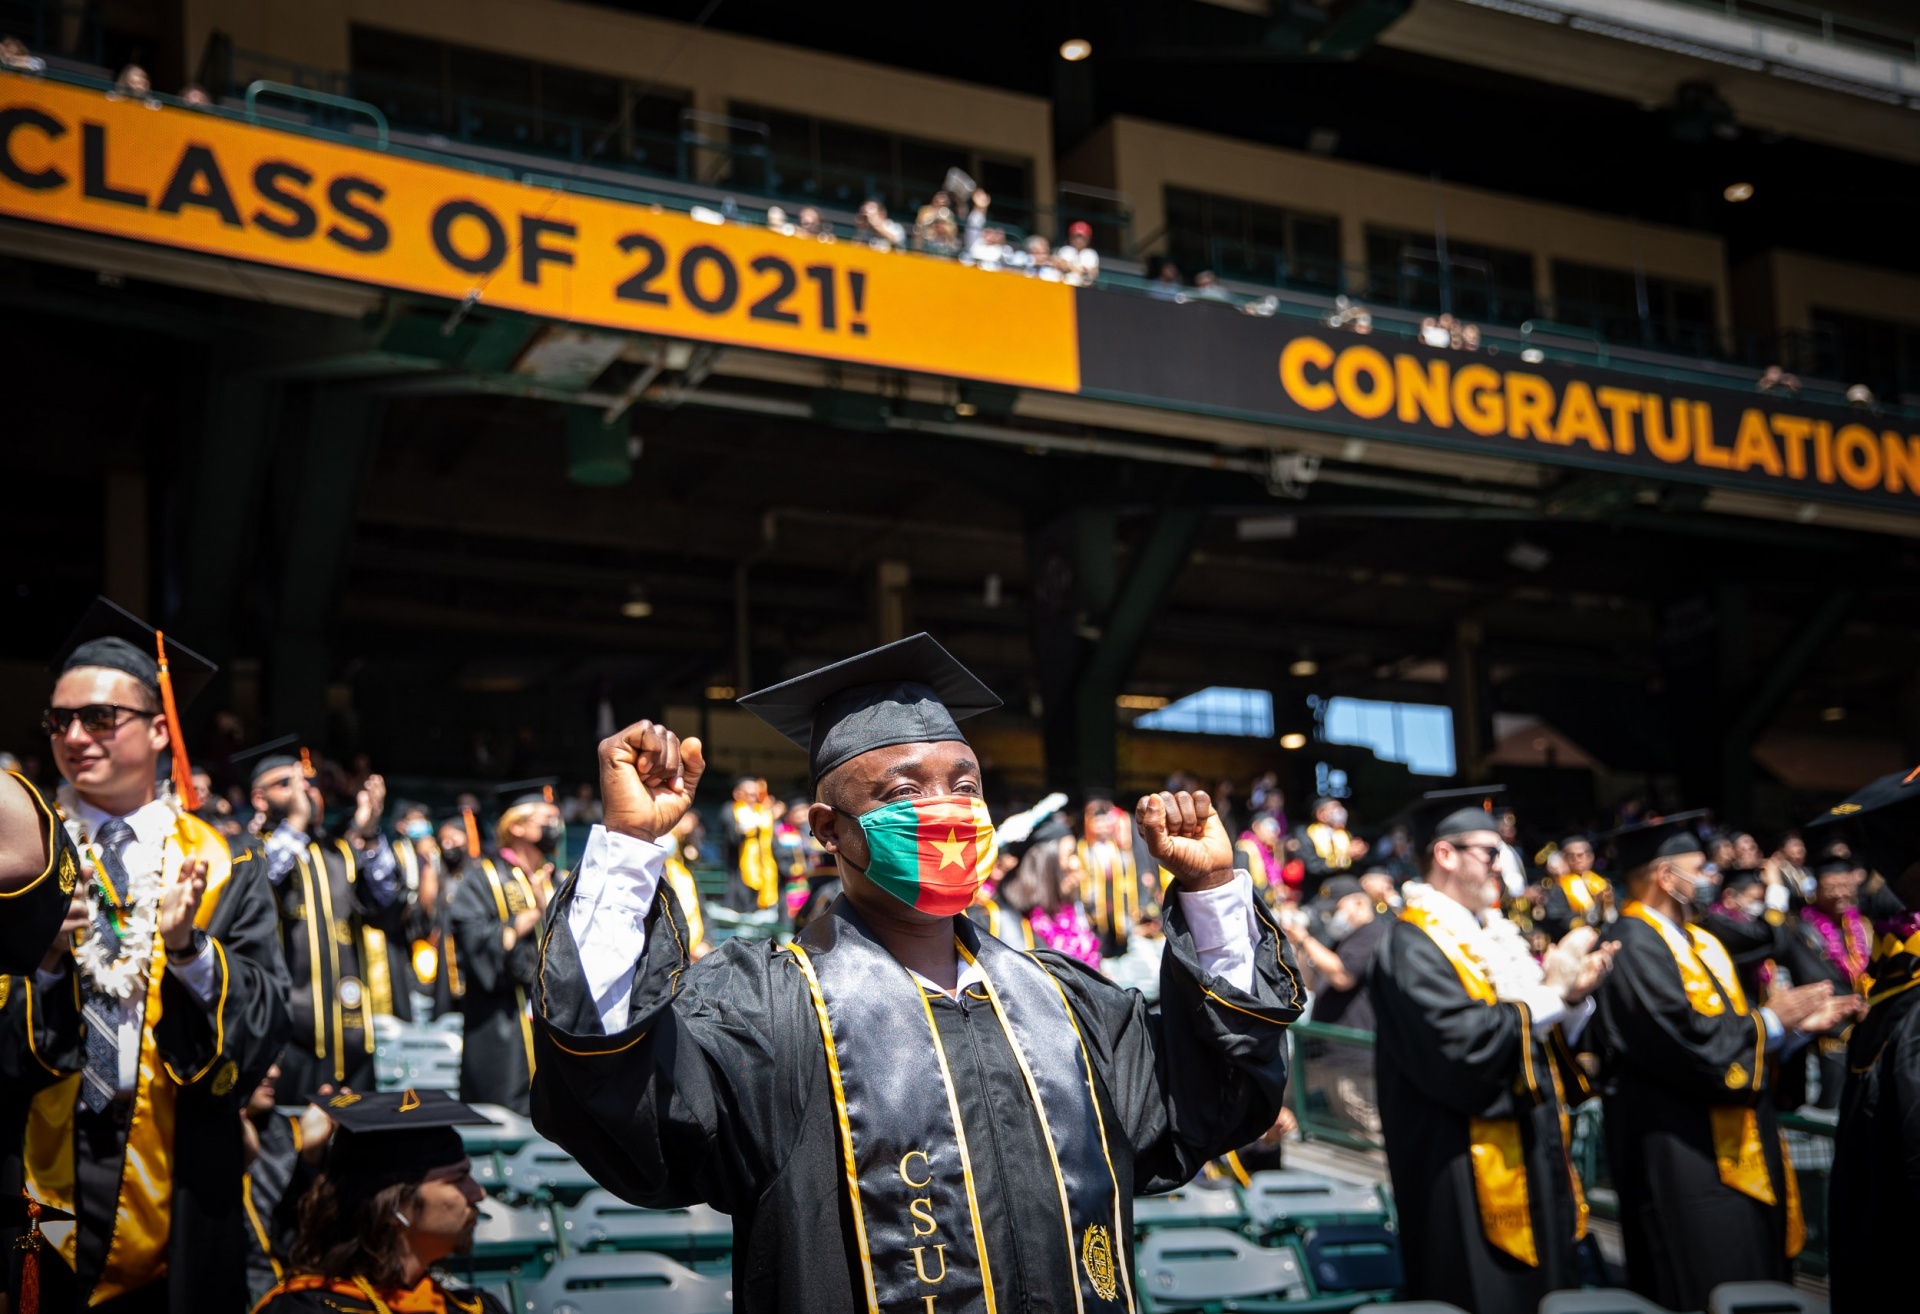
(155, 1013)
(1475, 1076)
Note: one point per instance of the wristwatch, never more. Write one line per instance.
(195, 947)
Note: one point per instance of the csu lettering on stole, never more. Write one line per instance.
(921, 1207)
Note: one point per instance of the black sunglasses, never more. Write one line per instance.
(95, 718)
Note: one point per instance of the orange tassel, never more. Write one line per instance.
(473, 832)
(30, 1262)
(306, 765)
(182, 769)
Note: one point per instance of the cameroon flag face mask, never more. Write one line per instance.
(930, 853)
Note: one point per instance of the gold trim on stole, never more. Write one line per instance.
(506, 919)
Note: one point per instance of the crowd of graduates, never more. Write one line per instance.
(185, 966)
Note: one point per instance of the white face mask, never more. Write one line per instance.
(1337, 818)
(1340, 926)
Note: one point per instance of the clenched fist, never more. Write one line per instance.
(647, 778)
(1185, 836)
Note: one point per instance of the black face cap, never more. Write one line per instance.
(1881, 822)
(1450, 813)
(400, 1134)
(908, 692)
(1666, 837)
(113, 637)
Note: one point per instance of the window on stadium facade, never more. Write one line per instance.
(1252, 242)
(1487, 284)
(844, 164)
(482, 96)
(1215, 711)
(1608, 301)
(1880, 353)
(1416, 734)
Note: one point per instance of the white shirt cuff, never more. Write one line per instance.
(201, 975)
(1576, 1020)
(1544, 1007)
(612, 895)
(1224, 930)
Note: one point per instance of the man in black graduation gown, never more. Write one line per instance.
(1475, 1078)
(1740, 920)
(139, 1044)
(331, 895)
(1873, 1195)
(1706, 1192)
(494, 916)
(900, 1112)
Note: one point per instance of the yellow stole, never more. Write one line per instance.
(137, 1254)
(509, 899)
(1712, 986)
(1119, 872)
(1335, 847)
(680, 881)
(1499, 1157)
(758, 872)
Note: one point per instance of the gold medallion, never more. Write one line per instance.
(1096, 1253)
(1736, 1077)
(68, 871)
(224, 1077)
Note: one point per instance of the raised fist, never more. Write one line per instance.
(647, 779)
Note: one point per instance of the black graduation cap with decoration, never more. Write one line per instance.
(110, 636)
(397, 1134)
(1881, 822)
(911, 691)
(1644, 843)
(270, 756)
(525, 793)
(1450, 813)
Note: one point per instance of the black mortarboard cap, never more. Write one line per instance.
(1667, 837)
(1051, 829)
(262, 758)
(113, 637)
(908, 692)
(13, 1213)
(1445, 813)
(1881, 822)
(521, 793)
(1336, 888)
(398, 1134)
(1740, 878)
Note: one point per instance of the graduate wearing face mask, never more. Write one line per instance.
(1329, 851)
(899, 1110)
(493, 917)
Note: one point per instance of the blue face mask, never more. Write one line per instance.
(419, 830)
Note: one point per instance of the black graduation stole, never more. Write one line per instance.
(916, 1217)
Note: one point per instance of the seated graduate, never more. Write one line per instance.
(397, 1196)
(899, 1111)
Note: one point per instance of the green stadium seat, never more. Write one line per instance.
(1352, 1257)
(1606, 1300)
(504, 1131)
(541, 1168)
(1192, 1205)
(509, 1234)
(1200, 1268)
(1294, 1197)
(603, 1221)
(623, 1283)
(1766, 1298)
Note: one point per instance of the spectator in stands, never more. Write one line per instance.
(1351, 315)
(1861, 398)
(977, 215)
(1330, 849)
(1435, 331)
(195, 96)
(935, 230)
(1167, 283)
(991, 251)
(134, 84)
(873, 227)
(812, 225)
(1206, 287)
(1038, 260)
(777, 221)
(1776, 379)
(15, 56)
(1077, 259)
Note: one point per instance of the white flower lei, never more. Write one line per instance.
(1498, 949)
(120, 975)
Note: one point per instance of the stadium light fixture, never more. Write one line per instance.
(1075, 49)
(1296, 740)
(1304, 667)
(1833, 714)
(1738, 192)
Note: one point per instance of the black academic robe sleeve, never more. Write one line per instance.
(247, 1023)
(1463, 1052)
(1650, 1024)
(1206, 1073)
(485, 962)
(30, 914)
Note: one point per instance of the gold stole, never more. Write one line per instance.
(680, 881)
(1708, 977)
(1256, 864)
(375, 966)
(758, 872)
(1120, 874)
(1335, 847)
(1579, 893)
(1499, 1157)
(137, 1255)
(506, 908)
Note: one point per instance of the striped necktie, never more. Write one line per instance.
(100, 1078)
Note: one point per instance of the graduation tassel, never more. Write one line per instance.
(182, 769)
(473, 832)
(29, 1244)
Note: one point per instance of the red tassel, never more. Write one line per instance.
(182, 769)
(30, 1261)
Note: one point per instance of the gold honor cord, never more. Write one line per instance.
(324, 880)
(503, 907)
(966, 1159)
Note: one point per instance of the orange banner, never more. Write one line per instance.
(203, 182)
